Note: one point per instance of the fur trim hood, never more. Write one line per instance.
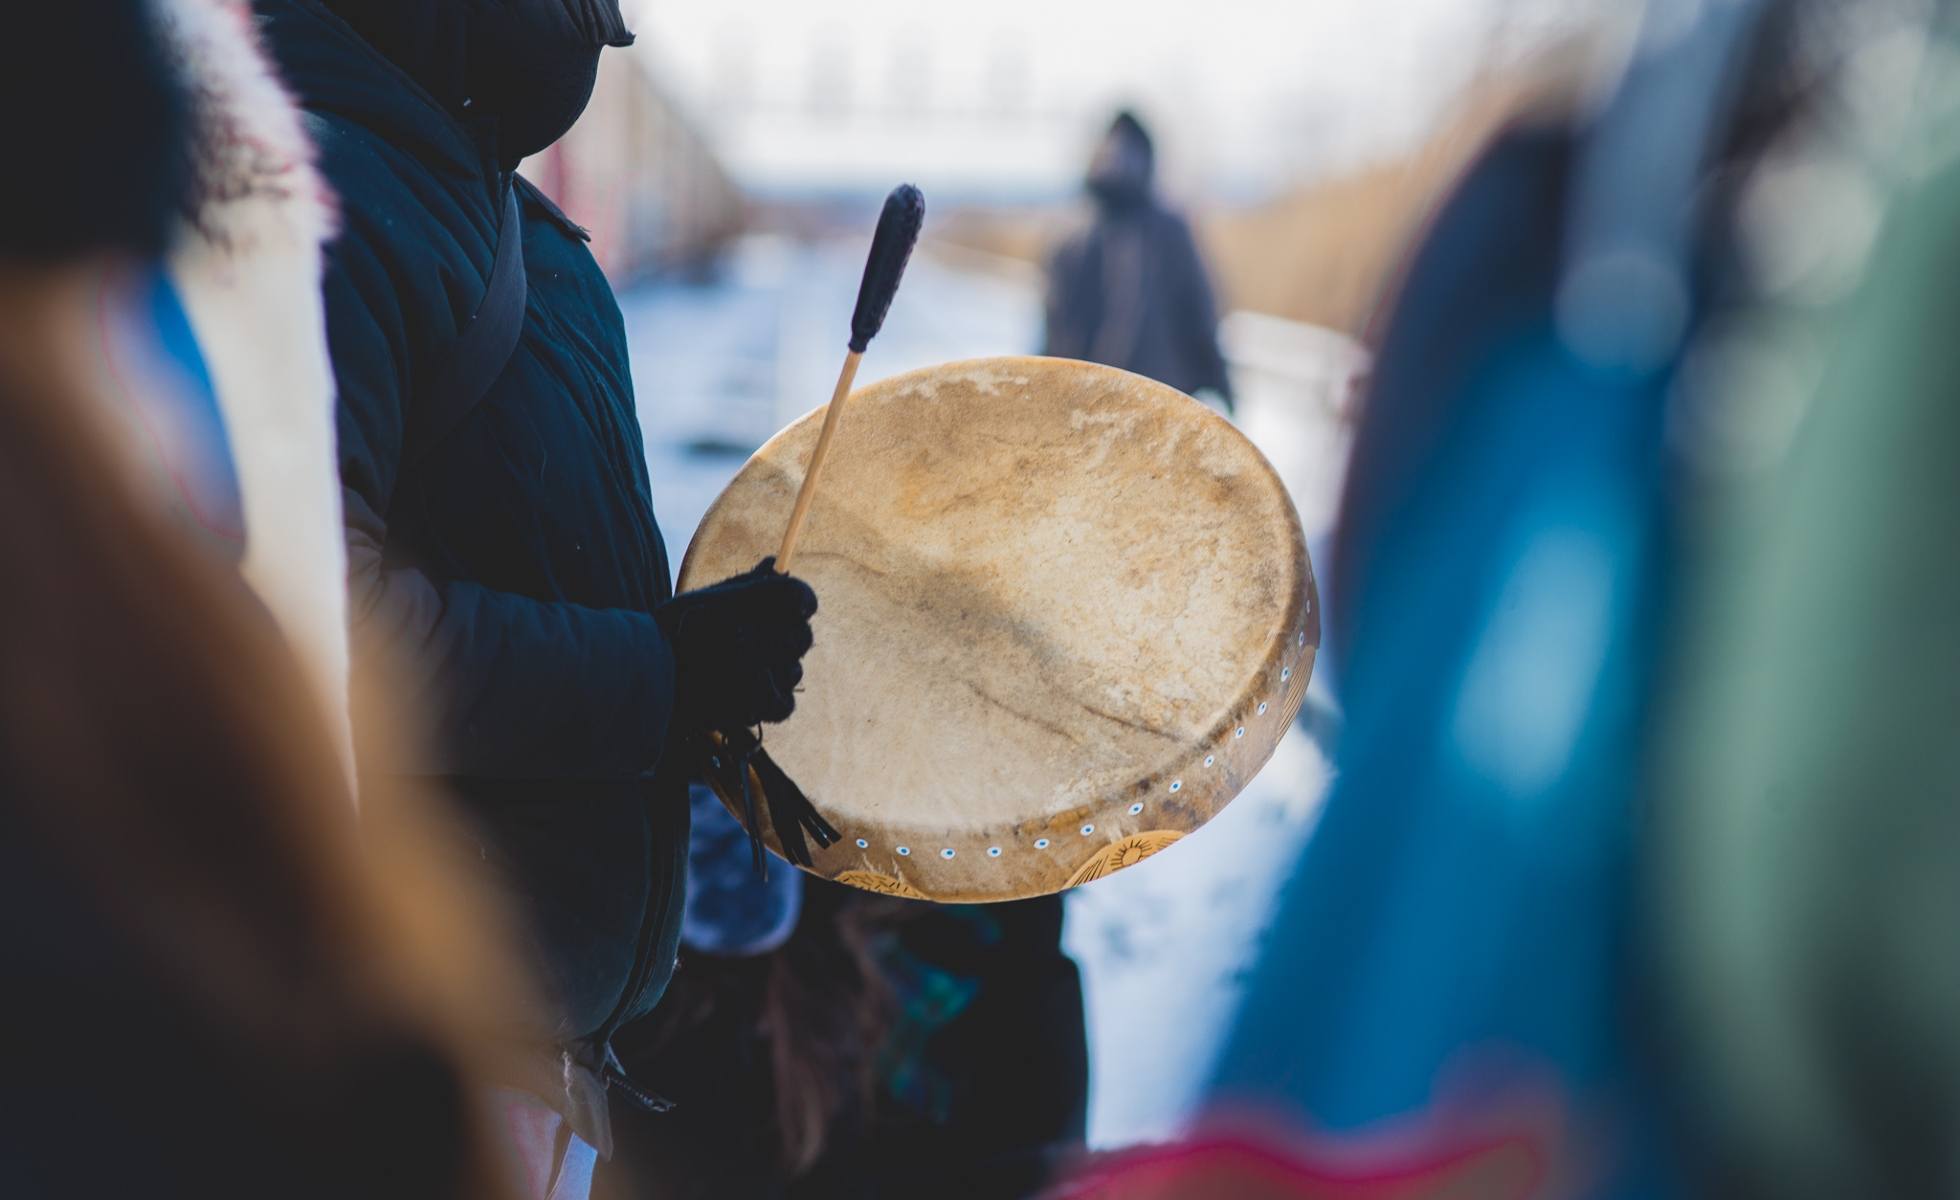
(248, 264)
(255, 183)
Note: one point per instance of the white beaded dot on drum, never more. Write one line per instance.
(1055, 599)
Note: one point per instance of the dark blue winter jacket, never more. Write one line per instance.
(509, 565)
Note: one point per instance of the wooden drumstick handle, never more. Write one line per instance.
(808, 492)
(891, 249)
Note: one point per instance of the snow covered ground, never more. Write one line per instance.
(1164, 947)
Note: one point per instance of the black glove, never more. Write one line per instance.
(738, 647)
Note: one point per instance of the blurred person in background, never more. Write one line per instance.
(1131, 290)
(214, 988)
(502, 547)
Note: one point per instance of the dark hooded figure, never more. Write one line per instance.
(1131, 290)
(502, 548)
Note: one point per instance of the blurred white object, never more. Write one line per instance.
(247, 267)
(1297, 386)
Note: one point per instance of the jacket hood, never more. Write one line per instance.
(333, 70)
(518, 71)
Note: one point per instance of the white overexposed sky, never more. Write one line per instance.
(1001, 98)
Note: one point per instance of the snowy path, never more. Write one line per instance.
(1164, 947)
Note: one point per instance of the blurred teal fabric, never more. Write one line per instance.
(1805, 863)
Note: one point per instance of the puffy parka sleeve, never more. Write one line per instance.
(508, 686)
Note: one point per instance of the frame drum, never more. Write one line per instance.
(1066, 615)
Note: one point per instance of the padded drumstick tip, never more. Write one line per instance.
(891, 249)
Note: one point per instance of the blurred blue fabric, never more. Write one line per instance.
(731, 911)
(171, 401)
(1457, 921)
(1452, 954)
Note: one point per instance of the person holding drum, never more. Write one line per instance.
(502, 545)
(1068, 615)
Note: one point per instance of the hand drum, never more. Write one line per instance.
(1067, 614)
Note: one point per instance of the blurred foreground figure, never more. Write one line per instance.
(1805, 860)
(247, 265)
(1131, 290)
(1516, 959)
(502, 547)
(1447, 1002)
(213, 989)
(215, 354)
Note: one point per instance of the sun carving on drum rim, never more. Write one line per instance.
(884, 885)
(1125, 853)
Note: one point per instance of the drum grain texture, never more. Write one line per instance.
(1067, 614)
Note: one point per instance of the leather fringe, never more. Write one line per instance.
(741, 767)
